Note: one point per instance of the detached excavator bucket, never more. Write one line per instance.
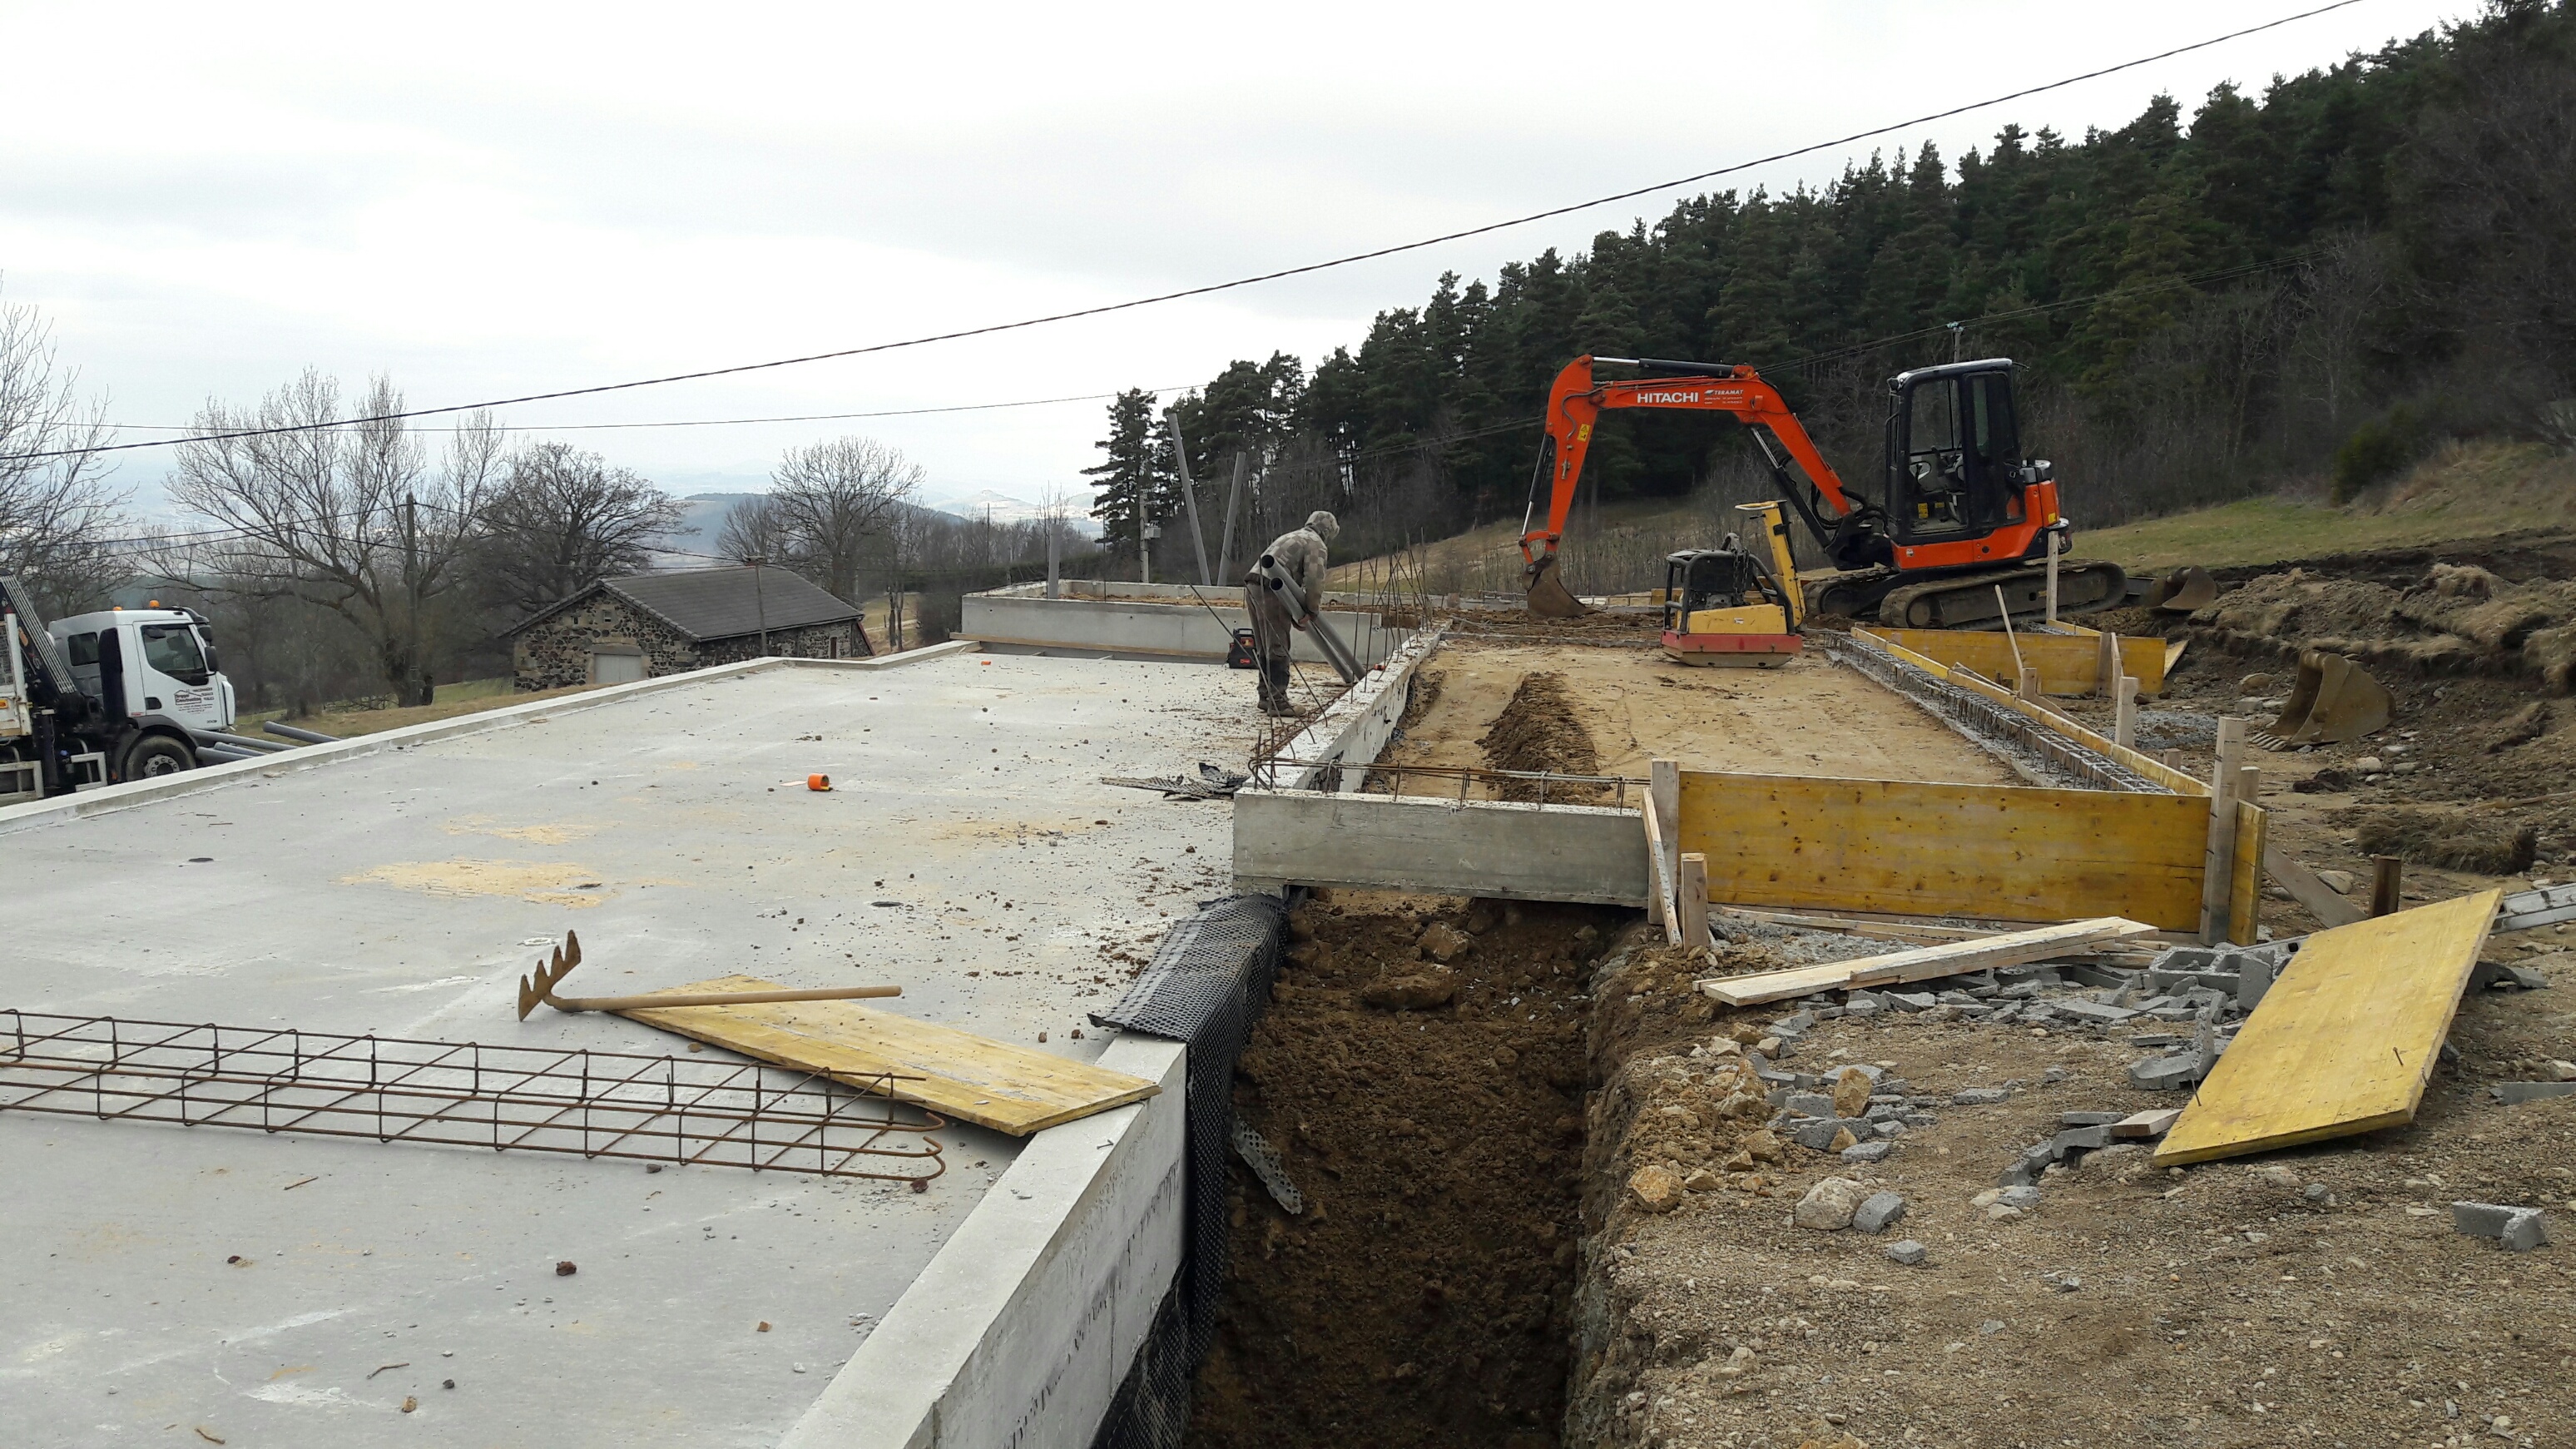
(1548, 596)
(2333, 701)
(2182, 591)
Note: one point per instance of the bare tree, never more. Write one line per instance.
(56, 511)
(833, 501)
(349, 515)
(754, 529)
(563, 520)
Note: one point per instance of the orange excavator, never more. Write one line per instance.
(1960, 513)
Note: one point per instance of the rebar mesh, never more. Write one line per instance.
(464, 1094)
(2035, 751)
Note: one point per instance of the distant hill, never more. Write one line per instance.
(1003, 508)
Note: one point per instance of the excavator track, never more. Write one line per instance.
(1967, 601)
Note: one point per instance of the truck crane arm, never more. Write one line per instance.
(1838, 517)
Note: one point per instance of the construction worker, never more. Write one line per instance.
(1299, 554)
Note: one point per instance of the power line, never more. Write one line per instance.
(1211, 288)
(692, 422)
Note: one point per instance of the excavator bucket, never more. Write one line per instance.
(2333, 701)
(1548, 596)
(2182, 591)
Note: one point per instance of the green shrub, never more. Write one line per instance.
(2377, 451)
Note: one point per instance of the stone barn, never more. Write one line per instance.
(647, 625)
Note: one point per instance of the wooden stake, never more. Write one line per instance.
(2106, 669)
(2124, 718)
(2387, 885)
(2216, 875)
(2052, 577)
(1694, 900)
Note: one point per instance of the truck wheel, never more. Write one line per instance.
(158, 755)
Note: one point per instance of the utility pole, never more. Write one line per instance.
(759, 602)
(1958, 339)
(1233, 498)
(411, 604)
(1189, 493)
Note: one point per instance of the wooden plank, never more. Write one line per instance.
(2067, 663)
(1922, 963)
(2345, 1039)
(2145, 764)
(2309, 889)
(1659, 875)
(1999, 852)
(1013, 1089)
(2219, 856)
(2154, 1122)
(1692, 899)
(2245, 873)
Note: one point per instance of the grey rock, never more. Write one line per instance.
(2095, 1011)
(1978, 1097)
(1921, 1119)
(1878, 1212)
(1908, 1252)
(1817, 1134)
(1912, 1000)
(2089, 1119)
(2020, 1174)
(1874, 1150)
(1863, 1010)
(1810, 1104)
(2019, 991)
(1883, 1111)
(2024, 1197)
(1890, 1129)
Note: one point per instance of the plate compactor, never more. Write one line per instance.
(1728, 606)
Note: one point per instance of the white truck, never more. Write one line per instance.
(95, 699)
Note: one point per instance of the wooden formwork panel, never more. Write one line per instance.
(2006, 852)
(2067, 663)
(2245, 872)
(2345, 1038)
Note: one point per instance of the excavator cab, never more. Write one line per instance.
(1954, 464)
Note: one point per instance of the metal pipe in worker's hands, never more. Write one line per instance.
(1343, 661)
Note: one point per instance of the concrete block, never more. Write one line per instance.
(1978, 1097)
(2253, 978)
(1878, 1212)
(1890, 1129)
(2516, 1093)
(1862, 1010)
(2081, 1139)
(2516, 1229)
(2162, 1074)
(1809, 1104)
(2088, 1119)
(1817, 1133)
(2094, 1011)
(1912, 1000)
(1874, 1150)
(2185, 958)
(1908, 1252)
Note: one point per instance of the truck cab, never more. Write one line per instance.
(100, 698)
(156, 668)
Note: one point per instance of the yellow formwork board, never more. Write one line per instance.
(1905, 848)
(2067, 663)
(972, 1078)
(2344, 1040)
(2245, 873)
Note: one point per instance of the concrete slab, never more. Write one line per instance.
(399, 894)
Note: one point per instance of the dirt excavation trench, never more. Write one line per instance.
(1432, 1115)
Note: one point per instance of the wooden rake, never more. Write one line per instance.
(541, 987)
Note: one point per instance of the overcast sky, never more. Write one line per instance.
(491, 200)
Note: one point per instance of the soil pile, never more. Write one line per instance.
(1539, 732)
(2454, 619)
(1424, 1298)
(2489, 844)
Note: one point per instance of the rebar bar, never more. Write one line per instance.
(466, 1094)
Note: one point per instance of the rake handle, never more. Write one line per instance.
(717, 998)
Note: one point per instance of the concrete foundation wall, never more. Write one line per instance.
(1135, 627)
(1479, 848)
(1328, 754)
(1018, 1334)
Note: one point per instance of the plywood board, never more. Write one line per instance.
(2344, 1040)
(2067, 663)
(1906, 848)
(1950, 958)
(1013, 1089)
